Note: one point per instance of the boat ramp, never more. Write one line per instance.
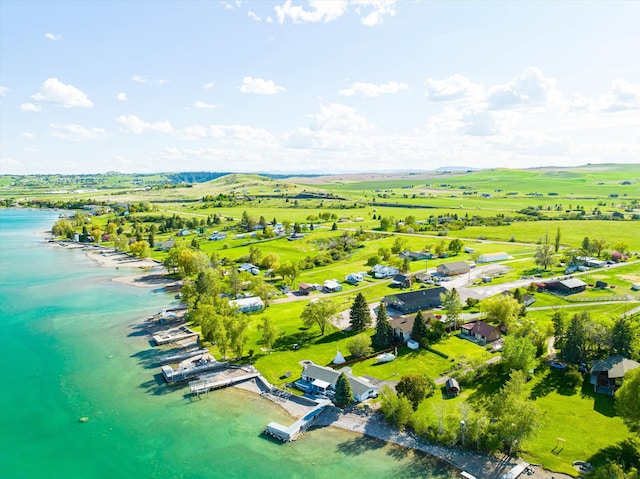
(222, 379)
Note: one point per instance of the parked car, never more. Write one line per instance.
(557, 365)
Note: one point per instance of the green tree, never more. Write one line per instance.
(452, 305)
(598, 246)
(269, 333)
(575, 344)
(396, 409)
(613, 470)
(627, 403)
(456, 246)
(419, 331)
(556, 245)
(585, 248)
(518, 354)
(290, 271)
(140, 249)
(334, 227)
(359, 345)
(383, 337)
(343, 395)
(373, 260)
(501, 309)
(544, 256)
(360, 315)
(399, 245)
(386, 223)
(415, 387)
(63, 228)
(406, 265)
(559, 320)
(624, 336)
(319, 312)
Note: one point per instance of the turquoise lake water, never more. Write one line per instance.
(70, 349)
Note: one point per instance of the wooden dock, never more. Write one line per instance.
(176, 358)
(184, 373)
(218, 381)
(291, 433)
(173, 335)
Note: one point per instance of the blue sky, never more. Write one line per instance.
(316, 86)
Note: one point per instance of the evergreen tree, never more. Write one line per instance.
(556, 245)
(343, 395)
(334, 227)
(574, 348)
(383, 337)
(419, 331)
(360, 316)
(623, 337)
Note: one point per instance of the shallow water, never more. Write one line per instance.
(70, 349)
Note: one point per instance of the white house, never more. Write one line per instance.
(490, 257)
(382, 271)
(332, 286)
(247, 305)
(354, 278)
(249, 268)
(322, 380)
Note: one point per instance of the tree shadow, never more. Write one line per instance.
(488, 382)
(553, 381)
(287, 342)
(157, 386)
(331, 337)
(417, 464)
(359, 445)
(626, 452)
(602, 403)
(148, 358)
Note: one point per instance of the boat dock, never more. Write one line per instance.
(173, 335)
(192, 370)
(176, 358)
(216, 381)
(291, 433)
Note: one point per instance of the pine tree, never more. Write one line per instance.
(360, 316)
(343, 395)
(419, 331)
(383, 337)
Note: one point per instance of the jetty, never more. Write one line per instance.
(291, 433)
(216, 381)
(173, 335)
(179, 357)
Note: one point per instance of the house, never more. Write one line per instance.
(304, 288)
(454, 268)
(354, 278)
(467, 249)
(414, 301)
(318, 379)
(381, 271)
(403, 325)
(165, 245)
(249, 268)
(295, 236)
(423, 278)
(567, 286)
(331, 286)
(527, 299)
(452, 387)
(402, 281)
(481, 330)
(490, 257)
(247, 305)
(415, 255)
(184, 232)
(216, 236)
(607, 374)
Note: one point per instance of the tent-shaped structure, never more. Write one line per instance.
(339, 359)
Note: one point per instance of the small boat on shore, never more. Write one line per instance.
(385, 358)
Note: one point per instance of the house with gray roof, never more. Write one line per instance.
(607, 375)
(567, 286)
(318, 379)
(454, 268)
(414, 301)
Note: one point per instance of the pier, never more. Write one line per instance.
(216, 381)
(176, 358)
(291, 433)
(192, 370)
(173, 335)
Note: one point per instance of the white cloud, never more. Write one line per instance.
(133, 124)
(200, 105)
(253, 16)
(319, 11)
(29, 107)
(52, 36)
(122, 96)
(209, 85)
(579, 104)
(140, 79)
(381, 8)
(454, 88)
(623, 96)
(340, 118)
(531, 87)
(76, 132)
(55, 92)
(260, 86)
(3, 90)
(28, 136)
(372, 89)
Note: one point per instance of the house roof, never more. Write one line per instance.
(572, 283)
(494, 255)
(480, 328)
(455, 266)
(615, 366)
(314, 372)
(359, 385)
(401, 278)
(405, 323)
(419, 295)
(304, 286)
(452, 383)
(331, 283)
(246, 302)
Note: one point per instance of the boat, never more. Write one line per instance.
(385, 358)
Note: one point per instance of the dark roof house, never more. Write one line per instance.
(414, 301)
(607, 374)
(481, 330)
(402, 280)
(451, 269)
(568, 286)
(403, 325)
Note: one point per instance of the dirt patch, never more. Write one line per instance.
(629, 277)
(599, 276)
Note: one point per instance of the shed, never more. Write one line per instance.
(568, 286)
(402, 280)
(452, 387)
(601, 284)
(332, 286)
(411, 344)
(489, 257)
(305, 288)
(454, 268)
(247, 305)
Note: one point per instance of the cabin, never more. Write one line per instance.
(414, 301)
(332, 286)
(454, 268)
(217, 236)
(415, 255)
(607, 375)
(567, 286)
(306, 289)
(481, 331)
(381, 271)
(402, 281)
(490, 257)
(316, 379)
(247, 305)
(354, 278)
